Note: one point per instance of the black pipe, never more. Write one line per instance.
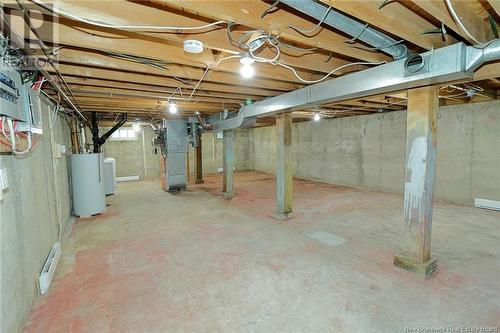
(99, 141)
(95, 132)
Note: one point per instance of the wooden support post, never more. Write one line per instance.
(188, 167)
(228, 160)
(415, 253)
(198, 178)
(284, 169)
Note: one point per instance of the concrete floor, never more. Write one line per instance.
(193, 262)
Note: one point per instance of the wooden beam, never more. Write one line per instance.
(474, 19)
(198, 158)
(421, 128)
(92, 83)
(151, 14)
(95, 59)
(79, 35)
(248, 12)
(495, 4)
(87, 72)
(284, 167)
(228, 163)
(393, 18)
(128, 94)
(488, 71)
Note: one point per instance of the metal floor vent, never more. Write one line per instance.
(327, 238)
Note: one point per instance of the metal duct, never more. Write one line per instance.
(450, 63)
(351, 27)
(176, 148)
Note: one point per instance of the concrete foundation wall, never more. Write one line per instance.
(35, 209)
(368, 151)
(212, 151)
(129, 155)
(134, 157)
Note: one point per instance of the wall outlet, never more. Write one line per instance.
(4, 182)
(56, 150)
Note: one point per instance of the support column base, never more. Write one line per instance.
(227, 195)
(425, 269)
(282, 215)
(199, 181)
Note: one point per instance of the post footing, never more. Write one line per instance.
(227, 195)
(424, 269)
(199, 181)
(282, 215)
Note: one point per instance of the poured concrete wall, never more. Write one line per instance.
(212, 151)
(368, 151)
(35, 209)
(129, 154)
(134, 157)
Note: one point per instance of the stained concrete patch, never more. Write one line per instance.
(327, 238)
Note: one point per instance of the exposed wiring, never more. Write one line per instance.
(306, 32)
(143, 28)
(378, 48)
(158, 64)
(354, 39)
(330, 73)
(270, 9)
(290, 46)
(459, 22)
(206, 72)
(244, 36)
(329, 57)
(12, 138)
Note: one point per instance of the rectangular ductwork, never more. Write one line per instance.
(176, 153)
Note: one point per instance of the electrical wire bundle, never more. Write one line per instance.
(11, 136)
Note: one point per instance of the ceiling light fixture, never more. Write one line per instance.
(193, 46)
(172, 108)
(317, 117)
(136, 127)
(247, 71)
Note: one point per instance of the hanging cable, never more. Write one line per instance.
(306, 32)
(12, 138)
(158, 64)
(330, 73)
(354, 39)
(142, 28)
(206, 72)
(459, 22)
(378, 48)
(270, 9)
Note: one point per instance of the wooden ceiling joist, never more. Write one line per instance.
(97, 62)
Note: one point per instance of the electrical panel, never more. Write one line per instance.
(10, 99)
(31, 110)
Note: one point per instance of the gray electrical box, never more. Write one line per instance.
(31, 109)
(10, 99)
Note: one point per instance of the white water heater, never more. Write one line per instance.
(87, 177)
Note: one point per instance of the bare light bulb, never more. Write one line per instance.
(172, 108)
(247, 71)
(317, 117)
(136, 127)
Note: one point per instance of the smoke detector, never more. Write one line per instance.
(193, 46)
